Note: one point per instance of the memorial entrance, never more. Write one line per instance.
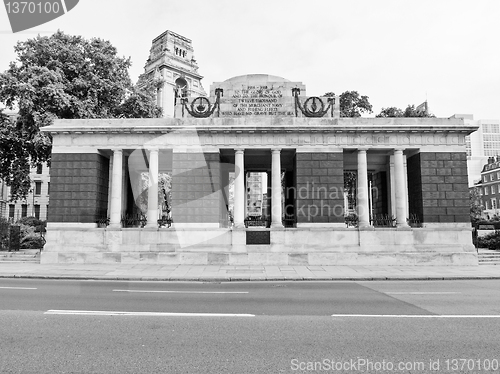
(259, 173)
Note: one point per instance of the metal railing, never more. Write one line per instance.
(351, 220)
(165, 222)
(134, 220)
(414, 220)
(257, 222)
(102, 222)
(383, 220)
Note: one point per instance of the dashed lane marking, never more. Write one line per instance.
(144, 314)
(417, 315)
(422, 293)
(164, 291)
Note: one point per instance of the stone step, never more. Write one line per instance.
(489, 260)
(489, 255)
(29, 255)
(23, 260)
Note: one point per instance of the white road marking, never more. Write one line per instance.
(417, 315)
(146, 291)
(151, 314)
(422, 293)
(18, 288)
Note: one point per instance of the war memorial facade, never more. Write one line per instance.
(353, 191)
(256, 172)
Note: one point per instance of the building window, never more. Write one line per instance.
(484, 178)
(24, 210)
(48, 188)
(486, 204)
(486, 190)
(492, 189)
(38, 188)
(12, 208)
(37, 211)
(39, 169)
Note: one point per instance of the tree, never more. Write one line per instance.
(390, 112)
(410, 111)
(15, 155)
(352, 104)
(60, 76)
(140, 100)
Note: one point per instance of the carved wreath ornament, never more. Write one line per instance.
(313, 106)
(201, 107)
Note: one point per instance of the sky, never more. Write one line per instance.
(396, 52)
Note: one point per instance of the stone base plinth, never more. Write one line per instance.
(445, 245)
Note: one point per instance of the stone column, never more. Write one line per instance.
(116, 190)
(276, 221)
(362, 187)
(224, 200)
(399, 174)
(268, 196)
(239, 189)
(153, 190)
(110, 182)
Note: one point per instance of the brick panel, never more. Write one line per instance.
(320, 186)
(78, 187)
(438, 186)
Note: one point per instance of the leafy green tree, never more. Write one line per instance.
(352, 104)
(60, 76)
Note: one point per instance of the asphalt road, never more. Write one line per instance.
(55, 326)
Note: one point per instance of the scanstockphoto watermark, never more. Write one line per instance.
(366, 365)
(24, 15)
(358, 365)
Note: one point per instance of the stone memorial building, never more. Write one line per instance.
(258, 173)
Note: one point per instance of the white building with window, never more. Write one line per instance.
(36, 203)
(481, 144)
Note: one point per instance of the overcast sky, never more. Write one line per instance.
(396, 52)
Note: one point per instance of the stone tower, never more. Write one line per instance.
(171, 58)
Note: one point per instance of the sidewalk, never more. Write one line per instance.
(214, 273)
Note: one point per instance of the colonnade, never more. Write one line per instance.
(363, 210)
(239, 189)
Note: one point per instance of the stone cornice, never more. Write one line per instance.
(358, 126)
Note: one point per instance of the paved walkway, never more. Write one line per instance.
(242, 273)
